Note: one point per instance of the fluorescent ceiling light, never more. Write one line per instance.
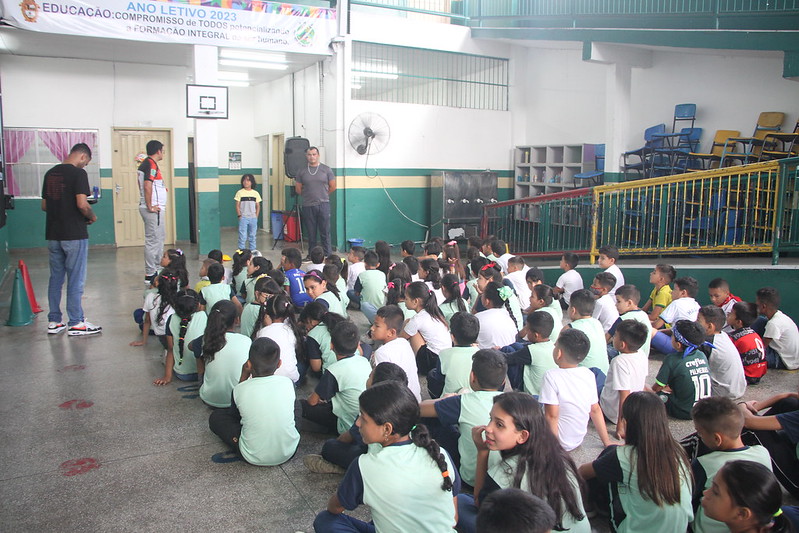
(252, 64)
(233, 76)
(378, 66)
(253, 56)
(356, 86)
(381, 75)
(236, 83)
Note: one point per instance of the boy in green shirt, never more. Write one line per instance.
(370, 287)
(334, 403)
(455, 364)
(260, 424)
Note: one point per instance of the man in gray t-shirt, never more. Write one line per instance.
(315, 183)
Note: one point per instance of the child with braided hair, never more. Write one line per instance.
(277, 321)
(187, 324)
(158, 307)
(427, 330)
(408, 481)
(498, 326)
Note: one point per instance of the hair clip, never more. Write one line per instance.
(390, 285)
(489, 265)
(414, 427)
(778, 513)
(445, 473)
(406, 285)
(505, 292)
(239, 252)
(179, 251)
(452, 243)
(313, 274)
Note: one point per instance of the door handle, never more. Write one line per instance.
(117, 188)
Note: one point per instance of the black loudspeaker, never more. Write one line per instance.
(294, 155)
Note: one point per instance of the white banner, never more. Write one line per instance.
(232, 23)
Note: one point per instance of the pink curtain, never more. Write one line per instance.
(17, 142)
(60, 142)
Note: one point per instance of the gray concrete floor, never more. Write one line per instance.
(140, 456)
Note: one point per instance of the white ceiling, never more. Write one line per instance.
(29, 43)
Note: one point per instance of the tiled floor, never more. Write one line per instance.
(144, 453)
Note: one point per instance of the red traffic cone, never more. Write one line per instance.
(29, 287)
(20, 314)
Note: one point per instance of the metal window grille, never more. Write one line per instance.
(417, 76)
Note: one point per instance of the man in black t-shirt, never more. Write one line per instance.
(65, 192)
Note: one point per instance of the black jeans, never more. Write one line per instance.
(342, 453)
(226, 424)
(321, 414)
(317, 219)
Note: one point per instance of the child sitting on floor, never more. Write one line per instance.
(683, 306)
(394, 349)
(660, 297)
(627, 372)
(781, 337)
(334, 403)
(608, 257)
(259, 425)
(726, 371)
(720, 296)
(455, 364)
(747, 342)
(568, 393)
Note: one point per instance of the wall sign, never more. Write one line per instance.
(258, 24)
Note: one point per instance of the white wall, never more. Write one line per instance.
(70, 93)
(563, 97)
(237, 134)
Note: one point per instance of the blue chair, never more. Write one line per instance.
(682, 113)
(673, 157)
(593, 177)
(644, 154)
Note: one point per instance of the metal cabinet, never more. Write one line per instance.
(456, 202)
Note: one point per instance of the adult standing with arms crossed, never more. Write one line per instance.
(315, 184)
(152, 206)
(65, 193)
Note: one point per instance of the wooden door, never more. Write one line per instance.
(128, 143)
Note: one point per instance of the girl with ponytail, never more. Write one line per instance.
(220, 354)
(427, 331)
(430, 273)
(453, 303)
(399, 277)
(256, 268)
(240, 261)
(491, 272)
(265, 288)
(497, 324)
(158, 306)
(747, 497)
(318, 322)
(175, 260)
(318, 288)
(279, 324)
(408, 482)
(187, 324)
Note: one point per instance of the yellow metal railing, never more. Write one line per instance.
(732, 209)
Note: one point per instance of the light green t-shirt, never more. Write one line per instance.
(502, 472)
(223, 373)
(269, 436)
(712, 463)
(542, 360)
(408, 313)
(456, 365)
(475, 411)
(249, 288)
(321, 335)
(194, 329)
(402, 487)
(473, 294)
(249, 316)
(598, 353)
(351, 374)
(642, 514)
(373, 287)
(451, 308)
(557, 316)
(216, 292)
(239, 279)
(643, 318)
(333, 303)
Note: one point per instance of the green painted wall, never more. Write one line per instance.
(26, 223)
(744, 282)
(4, 257)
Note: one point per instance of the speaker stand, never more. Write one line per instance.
(296, 211)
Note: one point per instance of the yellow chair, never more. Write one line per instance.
(781, 145)
(703, 161)
(750, 147)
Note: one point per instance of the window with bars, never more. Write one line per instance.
(31, 152)
(419, 76)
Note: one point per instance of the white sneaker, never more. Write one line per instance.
(55, 327)
(84, 328)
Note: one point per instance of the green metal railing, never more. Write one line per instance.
(744, 209)
(454, 10)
